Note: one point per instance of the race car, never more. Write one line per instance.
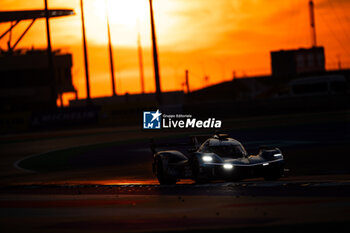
(219, 157)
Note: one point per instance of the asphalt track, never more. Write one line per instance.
(251, 206)
(308, 150)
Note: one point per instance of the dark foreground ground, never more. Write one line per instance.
(289, 205)
(100, 180)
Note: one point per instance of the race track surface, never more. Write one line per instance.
(251, 206)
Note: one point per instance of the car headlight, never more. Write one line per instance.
(277, 155)
(207, 158)
(228, 166)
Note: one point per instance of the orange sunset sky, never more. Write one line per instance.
(208, 37)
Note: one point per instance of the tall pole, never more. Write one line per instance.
(85, 54)
(187, 82)
(142, 75)
(155, 57)
(110, 53)
(50, 58)
(312, 23)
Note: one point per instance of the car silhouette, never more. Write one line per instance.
(219, 157)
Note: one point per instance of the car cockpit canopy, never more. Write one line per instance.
(228, 148)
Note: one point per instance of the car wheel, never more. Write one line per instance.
(162, 178)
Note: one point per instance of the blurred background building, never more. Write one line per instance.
(25, 85)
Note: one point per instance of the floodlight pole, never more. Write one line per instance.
(85, 54)
(312, 23)
(142, 75)
(187, 81)
(110, 53)
(50, 58)
(155, 57)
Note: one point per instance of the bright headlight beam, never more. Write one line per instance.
(228, 166)
(265, 164)
(207, 158)
(277, 155)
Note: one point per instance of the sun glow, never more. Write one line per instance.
(129, 17)
(212, 39)
(126, 13)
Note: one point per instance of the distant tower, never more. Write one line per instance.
(312, 23)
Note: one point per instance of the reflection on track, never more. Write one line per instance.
(187, 187)
(192, 184)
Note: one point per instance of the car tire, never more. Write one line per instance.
(161, 176)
